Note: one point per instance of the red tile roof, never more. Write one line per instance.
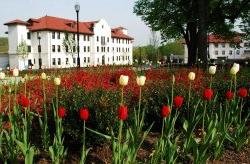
(117, 33)
(61, 24)
(219, 39)
(16, 21)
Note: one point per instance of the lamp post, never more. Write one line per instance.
(77, 8)
(39, 50)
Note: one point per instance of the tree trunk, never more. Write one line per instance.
(202, 30)
(191, 40)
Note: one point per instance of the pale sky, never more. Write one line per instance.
(115, 12)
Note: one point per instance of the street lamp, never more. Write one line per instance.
(77, 8)
(39, 50)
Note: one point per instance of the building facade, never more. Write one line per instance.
(218, 48)
(99, 44)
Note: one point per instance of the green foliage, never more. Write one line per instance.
(4, 45)
(22, 49)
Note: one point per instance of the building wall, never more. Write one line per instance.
(119, 49)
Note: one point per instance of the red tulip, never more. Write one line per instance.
(25, 101)
(122, 112)
(84, 114)
(165, 111)
(208, 94)
(61, 112)
(178, 101)
(242, 92)
(229, 95)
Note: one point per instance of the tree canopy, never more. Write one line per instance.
(192, 20)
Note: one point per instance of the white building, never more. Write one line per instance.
(234, 49)
(99, 44)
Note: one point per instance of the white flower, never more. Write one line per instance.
(212, 70)
(235, 69)
(141, 80)
(15, 72)
(191, 76)
(2, 75)
(23, 80)
(43, 76)
(57, 81)
(123, 80)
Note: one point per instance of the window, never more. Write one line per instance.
(113, 49)
(102, 40)
(123, 58)
(84, 48)
(29, 48)
(97, 49)
(74, 36)
(84, 37)
(247, 52)
(116, 58)
(88, 59)
(216, 45)
(34, 61)
(53, 35)
(53, 61)
(223, 45)
(122, 40)
(108, 49)
(74, 60)
(97, 60)
(88, 49)
(112, 40)
(247, 44)
(58, 48)
(113, 58)
(39, 48)
(66, 48)
(67, 60)
(28, 35)
(58, 35)
(108, 39)
(53, 48)
(238, 52)
(119, 58)
(84, 59)
(216, 52)
(59, 61)
(88, 38)
(230, 52)
(74, 48)
(122, 49)
(97, 39)
(223, 52)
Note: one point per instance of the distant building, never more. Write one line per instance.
(234, 49)
(99, 44)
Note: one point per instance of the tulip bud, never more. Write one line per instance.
(212, 70)
(141, 80)
(234, 70)
(123, 81)
(57, 81)
(237, 66)
(2, 75)
(43, 76)
(15, 72)
(191, 76)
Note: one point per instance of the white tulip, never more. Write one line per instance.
(191, 76)
(15, 72)
(237, 66)
(2, 75)
(123, 80)
(234, 70)
(57, 81)
(141, 80)
(212, 70)
(43, 76)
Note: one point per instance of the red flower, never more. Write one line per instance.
(61, 112)
(24, 101)
(178, 101)
(229, 95)
(208, 94)
(122, 112)
(242, 92)
(84, 114)
(165, 111)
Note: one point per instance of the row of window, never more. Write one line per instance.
(224, 52)
(86, 38)
(223, 45)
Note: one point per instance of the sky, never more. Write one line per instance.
(115, 12)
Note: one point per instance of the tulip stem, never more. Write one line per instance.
(162, 128)
(120, 140)
(189, 94)
(122, 96)
(139, 110)
(235, 84)
(203, 118)
(211, 81)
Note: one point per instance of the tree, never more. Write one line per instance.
(22, 50)
(154, 42)
(191, 20)
(69, 44)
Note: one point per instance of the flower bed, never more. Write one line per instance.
(198, 114)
